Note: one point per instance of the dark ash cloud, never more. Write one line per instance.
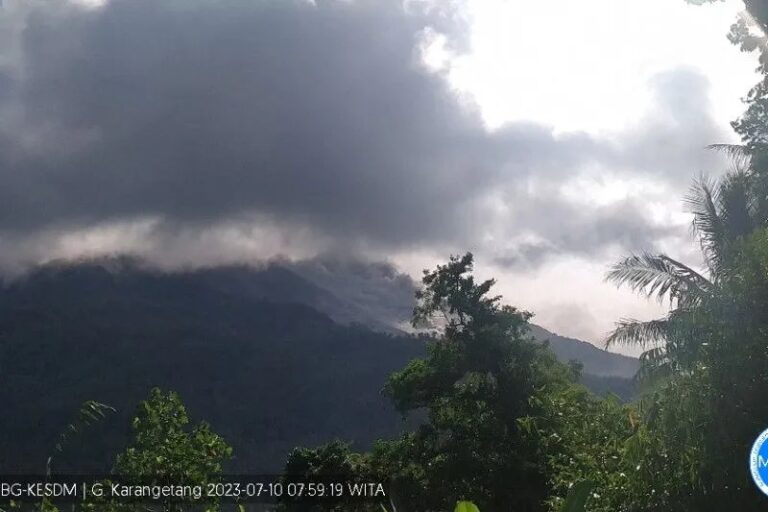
(315, 115)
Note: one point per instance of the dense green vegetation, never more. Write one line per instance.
(479, 385)
(508, 428)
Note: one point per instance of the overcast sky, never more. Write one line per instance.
(550, 138)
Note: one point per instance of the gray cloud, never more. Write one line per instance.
(576, 318)
(574, 229)
(668, 142)
(376, 287)
(314, 115)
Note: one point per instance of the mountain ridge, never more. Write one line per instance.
(209, 334)
(374, 294)
(596, 361)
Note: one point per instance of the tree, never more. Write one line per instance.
(750, 34)
(725, 213)
(476, 385)
(475, 390)
(166, 449)
(583, 438)
(695, 430)
(330, 463)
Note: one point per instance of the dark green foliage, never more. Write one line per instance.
(576, 500)
(478, 385)
(706, 404)
(596, 361)
(624, 389)
(725, 212)
(749, 33)
(331, 462)
(165, 449)
(583, 438)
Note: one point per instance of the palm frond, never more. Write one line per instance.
(724, 212)
(660, 275)
(737, 205)
(90, 413)
(636, 333)
(656, 366)
(676, 330)
(703, 201)
(740, 154)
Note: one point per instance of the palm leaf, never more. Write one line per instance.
(724, 212)
(655, 366)
(660, 275)
(702, 201)
(740, 154)
(636, 333)
(738, 204)
(90, 413)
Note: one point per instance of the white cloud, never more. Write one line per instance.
(586, 65)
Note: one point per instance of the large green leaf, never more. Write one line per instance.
(466, 506)
(577, 497)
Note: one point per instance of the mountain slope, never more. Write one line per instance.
(380, 292)
(596, 361)
(268, 376)
(270, 358)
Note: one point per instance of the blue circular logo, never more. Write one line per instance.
(758, 462)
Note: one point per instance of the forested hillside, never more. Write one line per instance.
(248, 349)
(266, 375)
(597, 362)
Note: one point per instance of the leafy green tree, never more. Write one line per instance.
(506, 428)
(164, 445)
(584, 439)
(476, 390)
(165, 448)
(735, 380)
(476, 386)
(750, 33)
(331, 462)
(696, 429)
